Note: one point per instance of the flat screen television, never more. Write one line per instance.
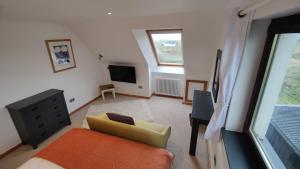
(122, 73)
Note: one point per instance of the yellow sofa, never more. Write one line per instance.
(146, 132)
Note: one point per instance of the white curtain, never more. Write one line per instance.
(232, 54)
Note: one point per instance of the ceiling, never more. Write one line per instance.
(61, 10)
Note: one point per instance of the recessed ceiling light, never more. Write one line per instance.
(109, 13)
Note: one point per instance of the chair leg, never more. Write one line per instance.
(114, 93)
(103, 98)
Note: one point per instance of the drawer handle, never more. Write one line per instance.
(58, 115)
(37, 117)
(56, 107)
(34, 109)
(41, 125)
(44, 133)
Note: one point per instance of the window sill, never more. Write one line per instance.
(239, 151)
(170, 70)
(169, 65)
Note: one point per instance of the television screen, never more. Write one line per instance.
(122, 73)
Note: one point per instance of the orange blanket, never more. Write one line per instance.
(86, 149)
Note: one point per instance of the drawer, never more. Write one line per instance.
(43, 115)
(38, 127)
(47, 121)
(61, 119)
(63, 122)
(53, 100)
(42, 131)
(36, 118)
(59, 115)
(39, 137)
(55, 108)
(34, 110)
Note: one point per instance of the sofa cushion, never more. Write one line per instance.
(120, 118)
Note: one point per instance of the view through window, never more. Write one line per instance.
(276, 123)
(167, 46)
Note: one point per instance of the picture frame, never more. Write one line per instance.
(192, 85)
(61, 54)
(215, 85)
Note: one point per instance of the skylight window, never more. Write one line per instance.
(167, 46)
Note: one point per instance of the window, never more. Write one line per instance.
(276, 124)
(167, 46)
(275, 106)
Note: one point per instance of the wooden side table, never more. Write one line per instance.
(107, 88)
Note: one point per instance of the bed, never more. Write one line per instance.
(86, 149)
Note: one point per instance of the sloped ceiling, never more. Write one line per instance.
(58, 10)
(115, 41)
(111, 36)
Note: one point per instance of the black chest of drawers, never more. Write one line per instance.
(39, 116)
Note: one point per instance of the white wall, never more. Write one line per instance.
(217, 150)
(278, 8)
(116, 42)
(114, 38)
(25, 69)
(157, 72)
(145, 48)
(142, 79)
(247, 75)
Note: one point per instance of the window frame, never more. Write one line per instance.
(150, 31)
(289, 24)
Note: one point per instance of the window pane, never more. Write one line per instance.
(276, 125)
(168, 47)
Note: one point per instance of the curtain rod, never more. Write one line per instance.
(250, 8)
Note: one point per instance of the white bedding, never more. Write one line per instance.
(39, 163)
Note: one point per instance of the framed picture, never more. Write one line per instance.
(192, 85)
(215, 85)
(61, 54)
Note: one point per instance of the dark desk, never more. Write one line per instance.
(201, 114)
